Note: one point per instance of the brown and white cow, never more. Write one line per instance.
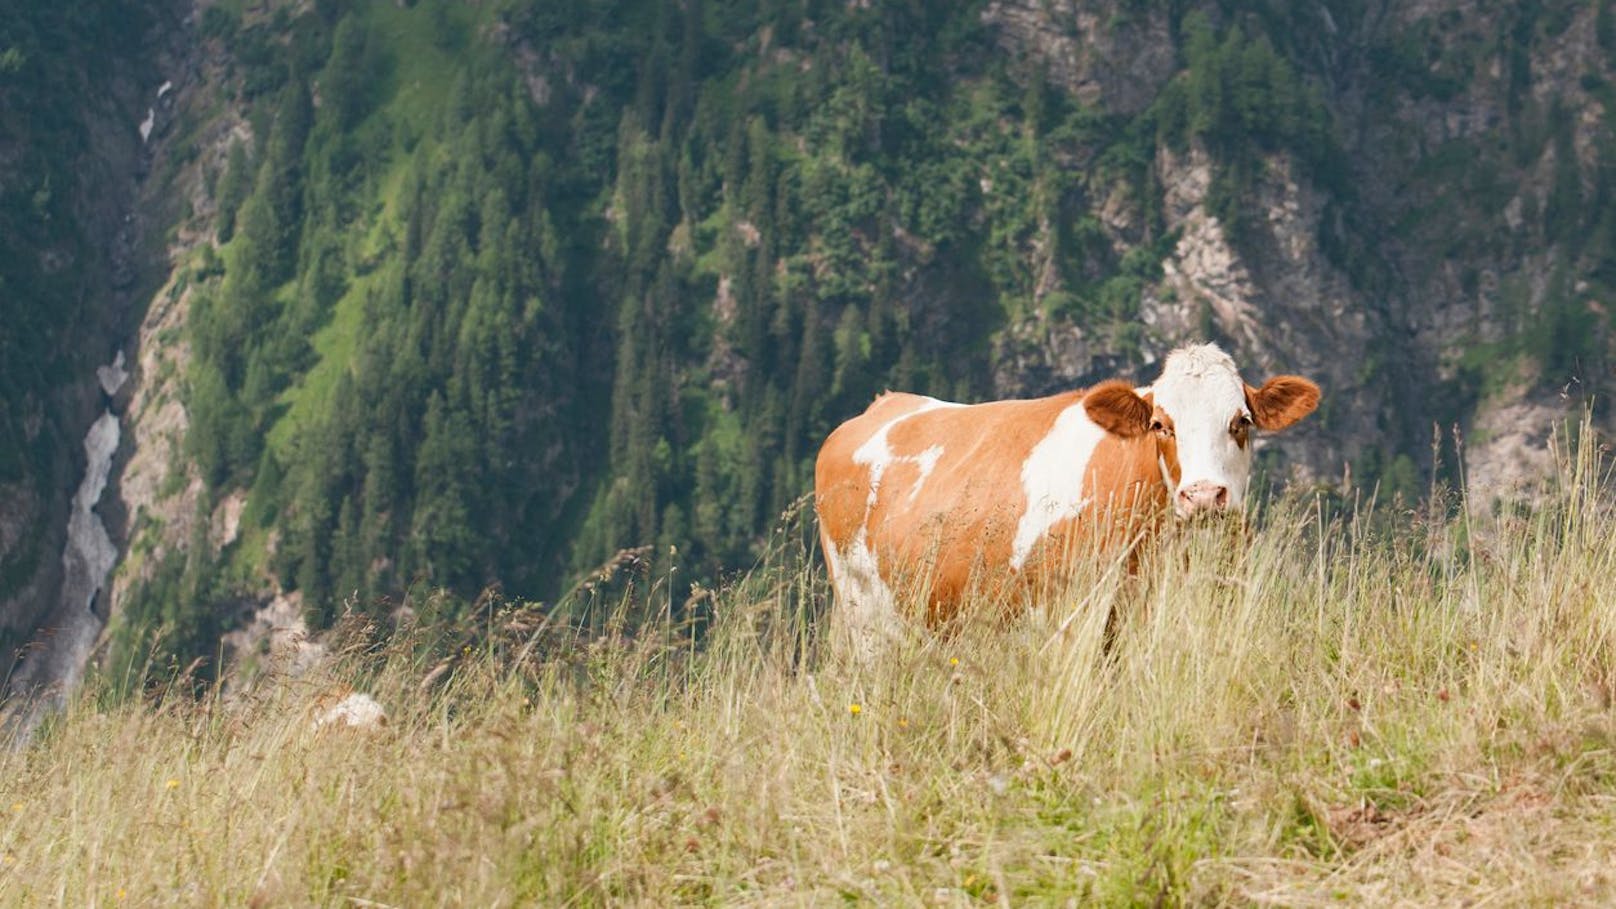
(921, 499)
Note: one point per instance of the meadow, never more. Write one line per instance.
(1362, 704)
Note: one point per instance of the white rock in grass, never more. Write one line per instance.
(356, 711)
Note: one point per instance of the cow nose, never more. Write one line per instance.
(1203, 496)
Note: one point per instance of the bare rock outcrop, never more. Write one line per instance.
(1103, 54)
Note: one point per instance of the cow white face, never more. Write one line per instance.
(1201, 413)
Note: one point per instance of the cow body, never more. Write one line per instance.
(936, 504)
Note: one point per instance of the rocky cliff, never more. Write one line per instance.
(79, 262)
(1465, 252)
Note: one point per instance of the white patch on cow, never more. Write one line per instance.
(1202, 392)
(867, 609)
(867, 612)
(1052, 479)
(877, 453)
(927, 462)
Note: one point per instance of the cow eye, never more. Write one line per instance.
(1157, 426)
(1242, 422)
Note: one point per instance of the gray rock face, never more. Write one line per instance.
(1104, 54)
(56, 664)
(1451, 187)
(54, 668)
(1284, 311)
(62, 610)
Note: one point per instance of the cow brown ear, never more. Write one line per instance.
(1281, 401)
(1116, 408)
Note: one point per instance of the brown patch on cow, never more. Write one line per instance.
(1115, 407)
(1281, 401)
(954, 531)
(1123, 485)
(1125, 473)
(841, 495)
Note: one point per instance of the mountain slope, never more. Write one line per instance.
(472, 296)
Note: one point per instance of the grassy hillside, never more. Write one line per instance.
(1384, 707)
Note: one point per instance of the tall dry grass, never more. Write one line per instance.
(1380, 706)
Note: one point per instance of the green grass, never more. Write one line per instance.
(334, 345)
(1386, 708)
(426, 67)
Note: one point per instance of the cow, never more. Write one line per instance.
(923, 502)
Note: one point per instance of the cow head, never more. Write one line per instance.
(1201, 413)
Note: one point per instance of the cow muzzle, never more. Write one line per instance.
(1202, 497)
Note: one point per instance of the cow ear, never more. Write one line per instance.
(1281, 401)
(1116, 408)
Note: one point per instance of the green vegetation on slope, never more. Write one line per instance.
(389, 362)
(1389, 707)
(508, 289)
